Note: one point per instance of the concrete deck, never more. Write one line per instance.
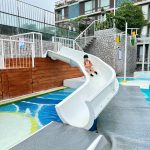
(58, 136)
(125, 122)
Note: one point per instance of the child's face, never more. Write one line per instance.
(85, 59)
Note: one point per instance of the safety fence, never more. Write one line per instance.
(19, 51)
(66, 42)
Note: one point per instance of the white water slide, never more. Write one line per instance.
(83, 106)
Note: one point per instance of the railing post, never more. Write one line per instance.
(33, 51)
(53, 39)
(143, 59)
(11, 47)
(41, 46)
(94, 27)
(33, 55)
(148, 57)
(85, 39)
(2, 62)
(74, 44)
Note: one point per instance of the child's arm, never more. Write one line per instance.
(90, 63)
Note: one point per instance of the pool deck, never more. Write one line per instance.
(124, 125)
(57, 136)
(126, 120)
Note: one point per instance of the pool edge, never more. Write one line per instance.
(27, 96)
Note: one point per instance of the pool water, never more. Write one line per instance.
(41, 108)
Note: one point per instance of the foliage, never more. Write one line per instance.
(78, 23)
(71, 2)
(130, 13)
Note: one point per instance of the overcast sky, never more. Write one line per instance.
(46, 4)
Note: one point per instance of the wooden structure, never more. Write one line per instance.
(46, 74)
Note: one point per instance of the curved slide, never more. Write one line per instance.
(83, 106)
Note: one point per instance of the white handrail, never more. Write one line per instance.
(15, 55)
(67, 42)
(16, 41)
(85, 29)
(26, 34)
(35, 37)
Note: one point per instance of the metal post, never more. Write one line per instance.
(148, 61)
(114, 7)
(11, 47)
(125, 56)
(74, 45)
(143, 60)
(85, 38)
(33, 51)
(41, 46)
(94, 27)
(2, 66)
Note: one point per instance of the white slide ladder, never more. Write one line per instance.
(82, 107)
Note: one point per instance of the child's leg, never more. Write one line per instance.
(89, 71)
(93, 71)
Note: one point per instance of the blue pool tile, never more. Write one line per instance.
(25, 107)
(8, 108)
(42, 106)
(53, 96)
(44, 101)
(48, 114)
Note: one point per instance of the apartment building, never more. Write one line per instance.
(93, 9)
(65, 10)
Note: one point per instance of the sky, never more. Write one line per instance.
(46, 4)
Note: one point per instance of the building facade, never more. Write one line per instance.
(67, 10)
(20, 17)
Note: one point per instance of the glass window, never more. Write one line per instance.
(89, 6)
(63, 13)
(104, 3)
(145, 10)
(73, 11)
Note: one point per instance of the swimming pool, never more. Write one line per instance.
(143, 83)
(20, 119)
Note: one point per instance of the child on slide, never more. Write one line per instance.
(89, 66)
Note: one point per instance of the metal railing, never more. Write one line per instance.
(14, 54)
(18, 17)
(24, 10)
(34, 37)
(86, 36)
(67, 43)
(19, 51)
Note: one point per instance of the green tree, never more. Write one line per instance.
(132, 14)
(79, 23)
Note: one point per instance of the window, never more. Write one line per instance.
(73, 10)
(145, 10)
(104, 3)
(60, 15)
(89, 6)
(63, 14)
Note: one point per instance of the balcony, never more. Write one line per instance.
(64, 3)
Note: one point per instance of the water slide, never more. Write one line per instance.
(82, 107)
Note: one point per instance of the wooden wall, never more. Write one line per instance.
(46, 74)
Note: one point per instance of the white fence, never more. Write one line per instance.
(70, 43)
(14, 55)
(19, 51)
(34, 37)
